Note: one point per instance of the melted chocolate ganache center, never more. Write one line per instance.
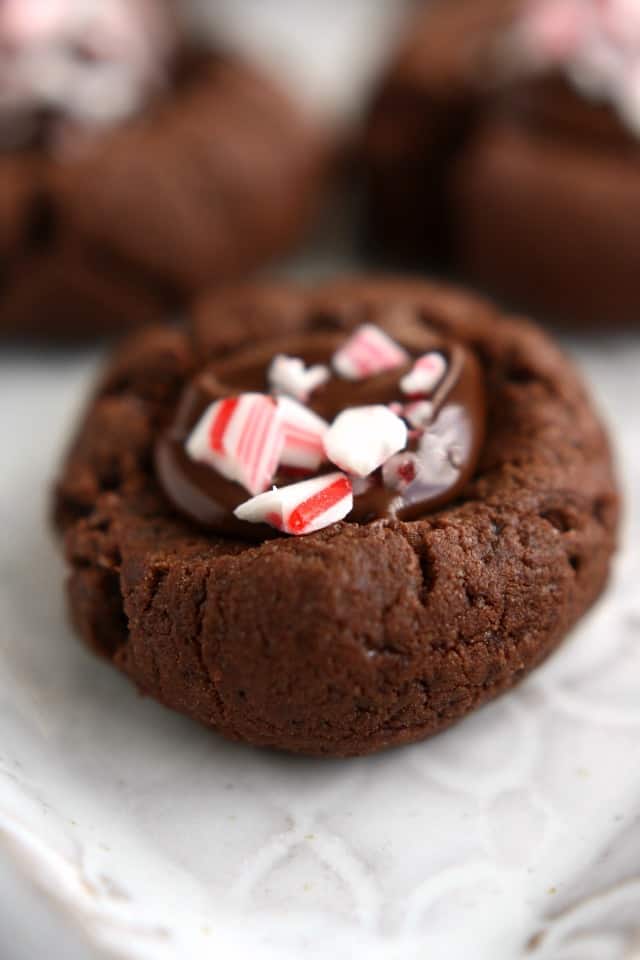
(438, 462)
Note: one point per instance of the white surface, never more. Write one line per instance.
(152, 838)
(31, 927)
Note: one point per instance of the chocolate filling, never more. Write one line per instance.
(454, 434)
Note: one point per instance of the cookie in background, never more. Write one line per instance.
(504, 144)
(137, 165)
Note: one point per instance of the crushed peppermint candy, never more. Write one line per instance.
(360, 439)
(408, 441)
(400, 471)
(91, 64)
(291, 377)
(242, 438)
(301, 507)
(304, 433)
(596, 43)
(437, 462)
(425, 375)
(367, 352)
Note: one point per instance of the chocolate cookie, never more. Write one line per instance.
(146, 172)
(505, 145)
(338, 519)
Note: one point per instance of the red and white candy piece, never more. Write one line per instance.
(290, 376)
(425, 375)
(367, 352)
(304, 433)
(301, 507)
(360, 439)
(401, 471)
(242, 438)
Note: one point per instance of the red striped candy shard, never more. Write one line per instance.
(367, 352)
(242, 438)
(425, 375)
(301, 507)
(304, 433)
(361, 439)
(290, 376)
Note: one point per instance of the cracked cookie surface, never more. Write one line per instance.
(357, 637)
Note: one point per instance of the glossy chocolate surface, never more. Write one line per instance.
(448, 448)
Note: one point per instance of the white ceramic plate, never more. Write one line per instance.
(514, 835)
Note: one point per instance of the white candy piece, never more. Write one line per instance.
(367, 352)
(426, 374)
(301, 507)
(290, 376)
(360, 439)
(419, 414)
(304, 433)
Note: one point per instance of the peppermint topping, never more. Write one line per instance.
(400, 471)
(402, 444)
(418, 414)
(242, 438)
(85, 64)
(596, 43)
(367, 352)
(304, 433)
(290, 376)
(362, 438)
(301, 507)
(425, 375)
(435, 465)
